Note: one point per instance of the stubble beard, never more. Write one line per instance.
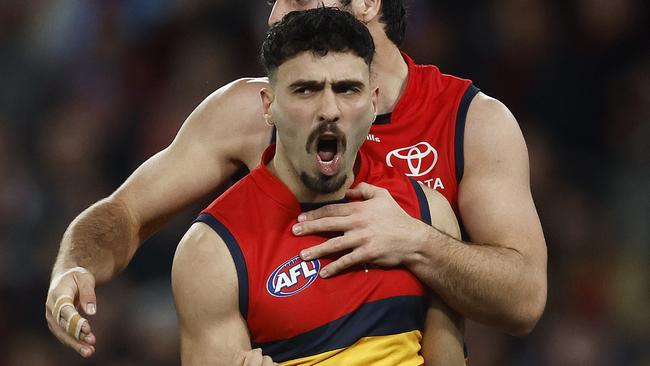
(323, 183)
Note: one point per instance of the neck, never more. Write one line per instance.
(389, 69)
(279, 166)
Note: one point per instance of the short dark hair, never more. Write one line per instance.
(320, 31)
(393, 15)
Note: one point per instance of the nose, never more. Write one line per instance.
(329, 110)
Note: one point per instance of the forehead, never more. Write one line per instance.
(331, 67)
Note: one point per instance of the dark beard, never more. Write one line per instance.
(323, 183)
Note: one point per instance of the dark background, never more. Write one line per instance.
(90, 89)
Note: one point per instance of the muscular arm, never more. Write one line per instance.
(205, 287)
(225, 132)
(500, 278)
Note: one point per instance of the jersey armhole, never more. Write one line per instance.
(425, 214)
(237, 256)
(459, 139)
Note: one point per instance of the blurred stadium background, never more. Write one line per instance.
(90, 89)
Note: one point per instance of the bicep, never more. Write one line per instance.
(205, 288)
(495, 200)
(222, 134)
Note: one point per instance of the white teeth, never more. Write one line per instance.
(326, 162)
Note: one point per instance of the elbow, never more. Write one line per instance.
(525, 324)
(529, 312)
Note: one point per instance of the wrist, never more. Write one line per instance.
(421, 243)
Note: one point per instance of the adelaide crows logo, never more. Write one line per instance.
(292, 277)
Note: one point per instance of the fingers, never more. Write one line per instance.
(333, 210)
(267, 361)
(86, 285)
(85, 349)
(72, 322)
(365, 191)
(323, 225)
(349, 260)
(63, 318)
(254, 357)
(331, 246)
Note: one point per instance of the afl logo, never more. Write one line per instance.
(420, 159)
(292, 277)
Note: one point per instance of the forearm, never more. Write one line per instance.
(102, 239)
(493, 285)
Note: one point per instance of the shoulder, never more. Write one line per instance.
(240, 98)
(487, 110)
(230, 120)
(240, 90)
(492, 135)
(202, 264)
(200, 245)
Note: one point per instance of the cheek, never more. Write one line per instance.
(362, 118)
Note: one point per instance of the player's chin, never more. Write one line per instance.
(321, 183)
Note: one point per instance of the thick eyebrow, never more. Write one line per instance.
(308, 84)
(348, 84)
(337, 85)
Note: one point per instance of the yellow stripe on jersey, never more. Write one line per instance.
(390, 350)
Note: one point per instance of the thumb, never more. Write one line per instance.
(86, 285)
(364, 191)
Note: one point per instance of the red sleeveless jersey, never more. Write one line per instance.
(361, 317)
(423, 136)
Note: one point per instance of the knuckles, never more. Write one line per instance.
(336, 244)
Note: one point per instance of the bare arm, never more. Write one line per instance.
(500, 278)
(204, 282)
(225, 132)
(442, 342)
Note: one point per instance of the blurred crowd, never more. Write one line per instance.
(90, 89)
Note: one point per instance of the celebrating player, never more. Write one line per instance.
(432, 127)
(237, 271)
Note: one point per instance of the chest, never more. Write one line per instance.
(289, 298)
(421, 144)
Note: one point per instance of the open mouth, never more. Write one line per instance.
(328, 153)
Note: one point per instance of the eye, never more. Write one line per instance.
(347, 90)
(303, 91)
(270, 2)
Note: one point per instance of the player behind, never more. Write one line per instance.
(237, 277)
(433, 127)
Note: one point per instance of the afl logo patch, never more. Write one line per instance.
(420, 159)
(292, 276)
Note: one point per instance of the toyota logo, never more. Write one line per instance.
(416, 157)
